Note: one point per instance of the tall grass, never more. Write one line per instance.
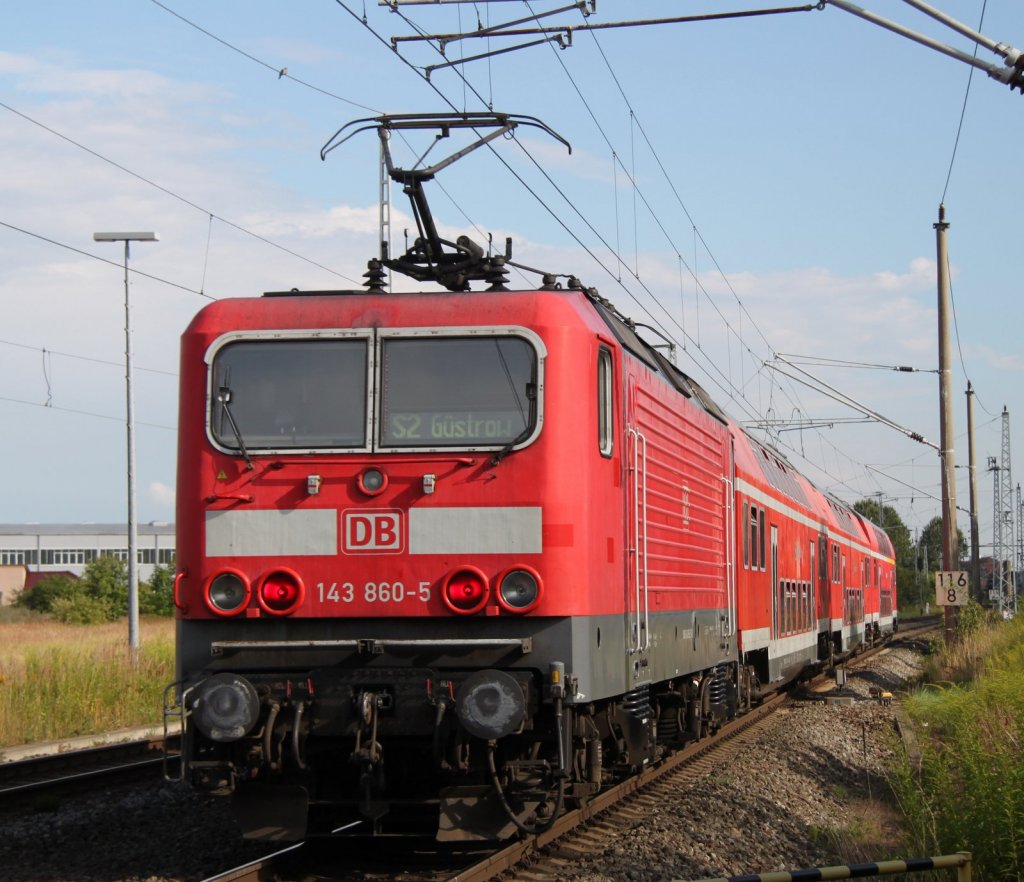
(966, 791)
(58, 681)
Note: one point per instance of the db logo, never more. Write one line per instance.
(372, 531)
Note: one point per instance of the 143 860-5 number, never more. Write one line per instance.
(373, 592)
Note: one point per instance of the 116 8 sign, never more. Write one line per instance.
(952, 588)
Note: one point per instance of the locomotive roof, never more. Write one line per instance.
(762, 457)
(625, 332)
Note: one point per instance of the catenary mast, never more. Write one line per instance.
(1003, 539)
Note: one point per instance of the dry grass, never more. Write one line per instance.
(58, 681)
(875, 830)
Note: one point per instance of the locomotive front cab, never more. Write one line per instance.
(375, 604)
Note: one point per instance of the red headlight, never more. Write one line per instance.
(465, 591)
(280, 592)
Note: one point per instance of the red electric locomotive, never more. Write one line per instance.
(458, 558)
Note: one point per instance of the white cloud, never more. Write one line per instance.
(161, 494)
(1002, 361)
(554, 158)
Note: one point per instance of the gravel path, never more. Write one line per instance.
(809, 786)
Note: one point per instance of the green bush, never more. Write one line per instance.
(156, 597)
(42, 595)
(105, 581)
(83, 609)
(971, 618)
(967, 792)
(101, 595)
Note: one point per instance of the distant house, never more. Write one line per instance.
(51, 549)
(35, 578)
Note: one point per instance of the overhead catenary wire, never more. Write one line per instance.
(117, 364)
(823, 361)
(824, 388)
(942, 200)
(284, 72)
(543, 203)
(280, 71)
(743, 383)
(88, 413)
(113, 263)
(728, 385)
(698, 286)
(172, 194)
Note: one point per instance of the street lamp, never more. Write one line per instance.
(133, 539)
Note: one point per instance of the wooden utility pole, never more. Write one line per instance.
(975, 559)
(949, 537)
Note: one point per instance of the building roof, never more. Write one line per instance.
(32, 579)
(159, 528)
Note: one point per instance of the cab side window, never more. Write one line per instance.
(605, 411)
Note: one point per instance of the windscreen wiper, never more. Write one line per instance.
(531, 395)
(224, 399)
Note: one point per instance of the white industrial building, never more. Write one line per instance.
(67, 548)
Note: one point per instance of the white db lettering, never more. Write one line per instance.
(371, 531)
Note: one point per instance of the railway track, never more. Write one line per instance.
(39, 779)
(547, 856)
(72, 832)
(576, 831)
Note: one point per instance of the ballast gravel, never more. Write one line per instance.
(809, 790)
(812, 780)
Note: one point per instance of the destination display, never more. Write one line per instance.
(447, 428)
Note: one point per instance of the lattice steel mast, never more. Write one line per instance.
(1020, 535)
(1003, 538)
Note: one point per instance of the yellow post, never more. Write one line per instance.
(963, 872)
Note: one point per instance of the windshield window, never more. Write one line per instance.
(457, 391)
(289, 394)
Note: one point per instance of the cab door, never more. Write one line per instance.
(638, 637)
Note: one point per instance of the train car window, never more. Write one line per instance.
(753, 537)
(783, 592)
(746, 536)
(760, 538)
(605, 412)
(289, 394)
(790, 607)
(457, 391)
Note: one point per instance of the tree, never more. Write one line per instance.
(101, 595)
(908, 589)
(156, 597)
(931, 540)
(890, 521)
(105, 581)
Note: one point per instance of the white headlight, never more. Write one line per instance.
(225, 707)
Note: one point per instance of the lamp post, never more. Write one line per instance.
(133, 539)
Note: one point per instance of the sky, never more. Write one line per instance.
(758, 189)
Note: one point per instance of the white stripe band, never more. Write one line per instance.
(816, 525)
(260, 532)
(490, 530)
